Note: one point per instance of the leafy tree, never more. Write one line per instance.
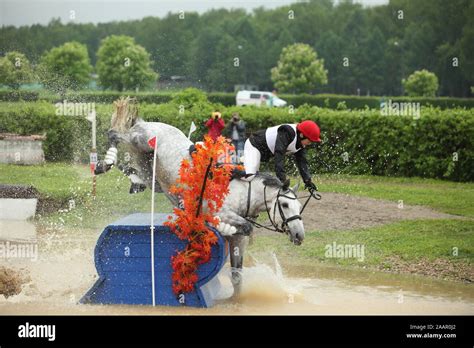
(169, 44)
(227, 69)
(205, 57)
(124, 65)
(421, 83)
(248, 44)
(189, 97)
(6, 68)
(274, 29)
(299, 70)
(466, 43)
(372, 59)
(447, 71)
(65, 67)
(383, 43)
(393, 72)
(15, 69)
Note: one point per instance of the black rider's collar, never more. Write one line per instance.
(298, 140)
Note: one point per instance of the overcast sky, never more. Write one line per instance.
(27, 12)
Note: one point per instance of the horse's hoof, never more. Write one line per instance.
(236, 295)
(136, 188)
(236, 280)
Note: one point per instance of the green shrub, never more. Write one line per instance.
(422, 83)
(330, 101)
(109, 97)
(189, 97)
(40, 118)
(375, 144)
(227, 99)
(16, 95)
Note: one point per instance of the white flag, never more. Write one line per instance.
(191, 129)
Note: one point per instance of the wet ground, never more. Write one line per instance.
(64, 271)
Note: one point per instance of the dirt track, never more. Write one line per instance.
(10, 282)
(338, 211)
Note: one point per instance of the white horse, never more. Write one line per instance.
(244, 201)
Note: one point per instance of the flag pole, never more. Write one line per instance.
(192, 128)
(152, 225)
(91, 117)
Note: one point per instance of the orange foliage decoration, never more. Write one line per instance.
(191, 224)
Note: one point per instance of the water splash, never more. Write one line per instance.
(278, 270)
(265, 284)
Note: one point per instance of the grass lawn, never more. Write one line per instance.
(53, 180)
(437, 248)
(65, 182)
(408, 240)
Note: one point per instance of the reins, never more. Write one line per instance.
(274, 225)
(284, 225)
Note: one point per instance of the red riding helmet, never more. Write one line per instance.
(310, 130)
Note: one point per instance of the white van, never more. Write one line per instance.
(258, 98)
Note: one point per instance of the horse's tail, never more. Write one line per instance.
(125, 114)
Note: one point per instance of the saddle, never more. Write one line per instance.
(237, 169)
(238, 173)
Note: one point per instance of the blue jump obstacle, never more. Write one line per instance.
(123, 262)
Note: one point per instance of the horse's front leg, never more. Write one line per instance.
(235, 228)
(111, 156)
(236, 254)
(232, 223)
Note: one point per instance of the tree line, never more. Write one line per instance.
(365, 50)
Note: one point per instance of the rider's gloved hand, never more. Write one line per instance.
(310, 186)
(111, 156)
(286, 184)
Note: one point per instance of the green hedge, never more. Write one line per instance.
(333, 101)
(375, 144)
(226, 99)
(330, 101)
(11, 95)
(39, 118)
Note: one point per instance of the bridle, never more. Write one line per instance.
(283, 227)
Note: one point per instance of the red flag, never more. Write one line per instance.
(152, 142)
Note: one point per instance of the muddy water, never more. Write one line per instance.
(64, 271)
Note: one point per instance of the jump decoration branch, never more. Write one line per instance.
(192, 222)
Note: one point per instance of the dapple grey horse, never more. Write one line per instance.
(244, 201)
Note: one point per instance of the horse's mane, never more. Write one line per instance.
(125, 114)
(269, 180)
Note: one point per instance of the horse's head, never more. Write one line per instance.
(285, 212)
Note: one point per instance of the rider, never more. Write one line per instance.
(278, 141)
